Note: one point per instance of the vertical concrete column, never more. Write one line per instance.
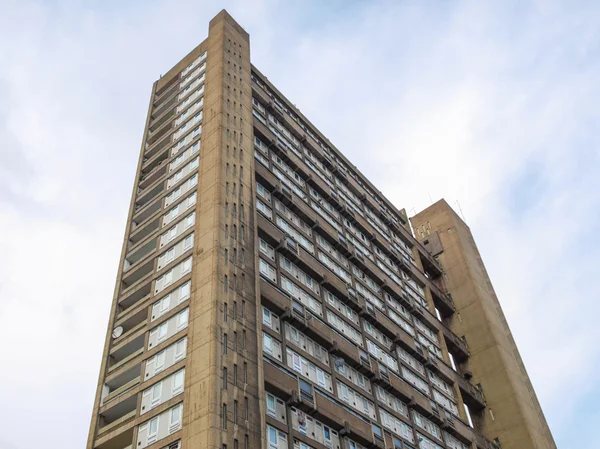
(513, 413)
(223, 271)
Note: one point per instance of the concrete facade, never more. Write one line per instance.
(269, 296)
(513, 411)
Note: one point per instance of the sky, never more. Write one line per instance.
(491, 105)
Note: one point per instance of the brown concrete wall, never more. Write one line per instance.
(513, 414)
(226, 136)
(114, 307)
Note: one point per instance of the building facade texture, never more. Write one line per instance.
(269, 296)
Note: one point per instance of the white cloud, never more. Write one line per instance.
(491, 105)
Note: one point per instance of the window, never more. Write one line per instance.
(188, 242)
(452, 363)
(235, 410)
(271, 405)
(178, 382)
(184, 291)
(182, 318)
(179, 349)
(175, 419)
(272, 438)
(224, 416)
(170, 255)
(224, 387)
(162, 331)
(224, 344)
(267, 344)
(189, 220)
(267, 317)
(266, 249)
(187, 266)
(152, 429)
(267, 270)
(156, 393)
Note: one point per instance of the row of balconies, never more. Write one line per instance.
(472, 395)
(323, 334)
(443, 302)
(123, 383)
(123, 380)
(457, 345)
(431, 264)
(146, 218)
(302, 395)
(164, 112)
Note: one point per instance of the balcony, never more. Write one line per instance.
(303, 397)
(144, 197)
(279, 381)
(165, 91)
(159, 134)
(296, 316)
(292, 125)
(459, 429)
(284, 193)
(442, 369)
(130, 323)
(128, 345)
(150, 177)
(378, 319)
(483, 443)
(329, 232)
(265, 177)
(161, 119)
(264, 133)
(353, 186)
(319, 331)
(138, 272)
(472, 395)
(260, 94)
(367, 199)
(443, 301)
(431, 266)
(168, 104)
(365, 264)
(342, 347)
(139, 253)
(142, 230)
(407, 342)
(277, 300)
(455, 344)
(134, 295)
(391, 382)
(318, 184)
(142, 213)
(121, 383)
(303, 210)
(117, 436)
(318, 271)
(314, 148)
(159, 154)
(335, 415)
(117, 413)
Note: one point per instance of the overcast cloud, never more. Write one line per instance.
(492, 105)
